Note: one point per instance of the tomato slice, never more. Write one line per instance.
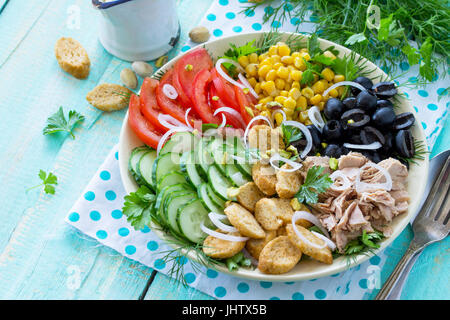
(245, 101)
(169, 106)
(182, 97)
(200, 97)
(149, 104)
(231, 119)
(224, 90)
(184, 77)
(140, 125)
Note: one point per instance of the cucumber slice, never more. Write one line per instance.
(216, 149)
(214, 197)
(135, 156)
(188, 166)
(206, 200)
(171, 179)
(235, 175)
(203, 156)
(190, 217)
(144, 167)
(165, 193)
(173, 204)
(165, 164)
(179, 143)
(218, 182)
(243, 166)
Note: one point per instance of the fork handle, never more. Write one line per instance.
(393, 286)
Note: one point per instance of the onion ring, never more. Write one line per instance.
(329, 243)
(295, 217)
(373, 146)
(316, 118)
(276, 157)
(363, 186)
(247, 129)
(247, 85)
(306, 133)
(216, 217)
(345, 182)
(344, 83)
(170, 91)
(222, 236)
(305, 215)
(232, 112)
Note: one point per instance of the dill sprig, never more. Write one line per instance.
(420, 151)
(402, 21)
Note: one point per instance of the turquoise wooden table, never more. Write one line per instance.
(41, 257)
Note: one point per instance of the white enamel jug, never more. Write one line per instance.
(138, 30)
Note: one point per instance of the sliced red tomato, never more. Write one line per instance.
(245, 101)
(149, 105)
(197, 61)
(224, 90)
(218, 103)
(182, 97)
(200, 97)
(140, 125)
(169, 106)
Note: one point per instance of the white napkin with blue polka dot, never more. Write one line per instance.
(98, 211)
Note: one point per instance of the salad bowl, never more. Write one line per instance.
(308, 268)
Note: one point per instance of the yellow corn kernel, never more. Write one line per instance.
(315, 99)
(268, 86)
(308, 122)
(275, 58)
(263, 57)
(290, 103)
(303, 116)
(267, 62)
(273, 50)
(243, 61)
(265, 113)
(280, 99)
(321, 105)
(318, 87)
(263, 70)
(252, 81)
(277, 65)
(333, 93)
(287, 59)
(327, 74)
(253, 57)
(251, 69)
(296, 75)
(308, 92)
(289, 112)
(287, 86)
(284, 50)
(295, 54)
(302, 103)
(338, 78)
(265, 100)
(329, 54)
(295, 84)
(305, 55)
(257, 88)
(283, 72)
(340, 90)
(284, 93)
(300, 64)
(280, 83)
(271, 75)
(275, 93)
(304, 50)
(278, 118)
(316, 78)
(295, 93)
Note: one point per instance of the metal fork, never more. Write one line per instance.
(431, 225)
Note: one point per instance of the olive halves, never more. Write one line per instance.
(333, 109)
(384, 90)
(366, 101)
(332, 131)
(404, 121)
(365, 82)
(384, 117)
(404, 143)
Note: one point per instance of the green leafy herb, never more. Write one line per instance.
(237, 260)
(356, 38)
(138, 207)
(58, 123)
(49, 181)
(308, 74)
(290, 134)
(315, 183)
(366, 242)
(235, 52)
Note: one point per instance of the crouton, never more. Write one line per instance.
(265, 138)
(244, 221)
(323, 255)
(255, 246)
(249, 195)
(72, 57)
(278, 256)
(109, 97)
(265, 178)
(222, 249)
(281, 231)
(272, 213)
(288, 183)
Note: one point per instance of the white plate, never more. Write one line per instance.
(307, 269)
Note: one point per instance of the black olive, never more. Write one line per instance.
(384, 103)
(354, 138)
(366, 101)
(384, 90)
(388, 142)
(384, 118)
(301, 144)
(315, 134)
(370, 135)
(344, 151)
(404, 143)
(365, 82)
(371, 155)
(332, 131)
(404, 121)
(354, 119)
(349, 103)
(332, 151)
(333, 108)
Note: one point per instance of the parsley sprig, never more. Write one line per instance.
(49, 181)
(367, 241)
(138, 207)
(235, 52)
(58, 123)
(315, 183)
(290, 134)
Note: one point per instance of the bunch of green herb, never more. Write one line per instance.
(49, 181)
(368, 241)
(234, 53)
(58, 122)
(238, 260)
(316, 182)
(290, 134)
(354, 24)
(138, 207)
